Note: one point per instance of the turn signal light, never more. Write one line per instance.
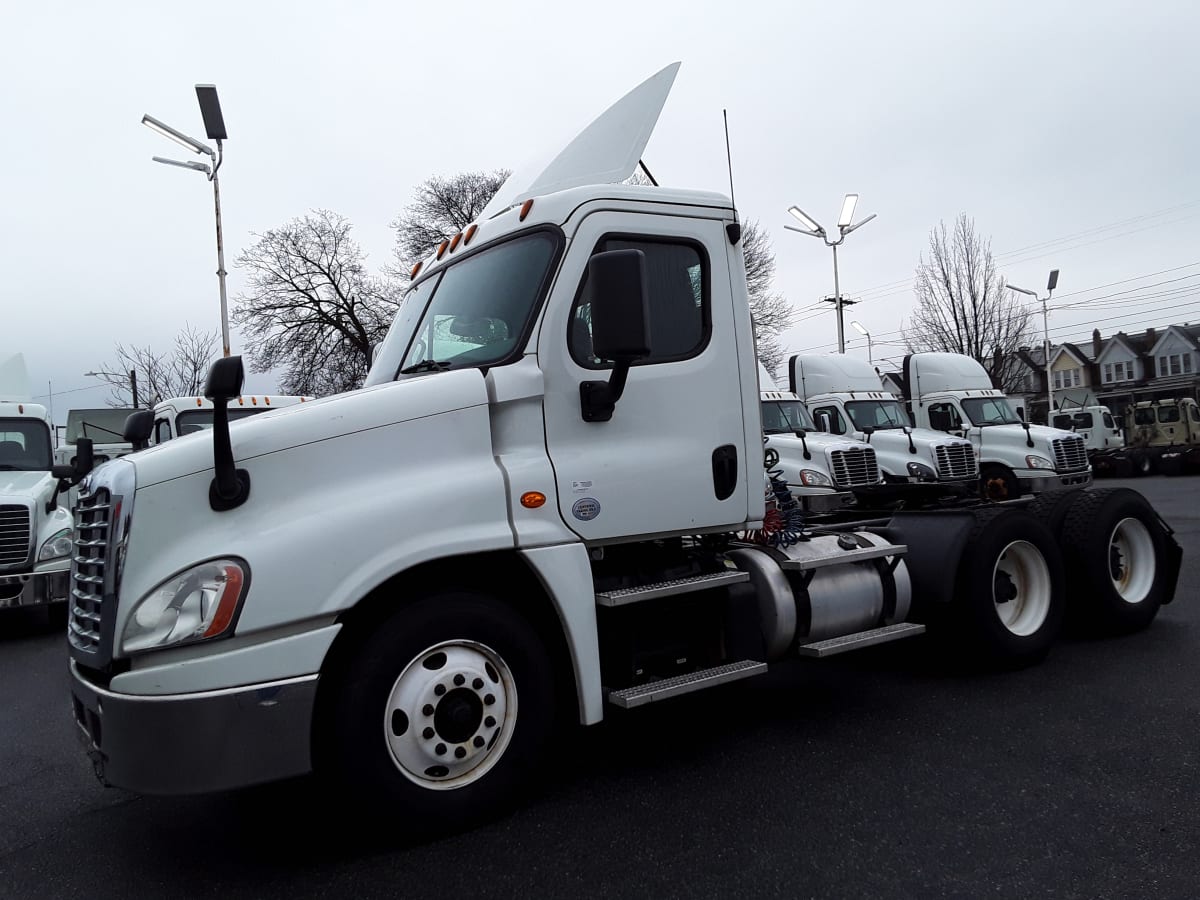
(525, 208)
(533, 499)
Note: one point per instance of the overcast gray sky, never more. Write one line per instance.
(1042, 120)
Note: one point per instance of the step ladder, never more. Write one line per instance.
(848, 642)
(624, 596)
(628, 698)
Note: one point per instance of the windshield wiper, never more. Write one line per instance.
(84, 426)
(426, 365)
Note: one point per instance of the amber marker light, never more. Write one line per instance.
(533, 499)
(470, 234)
(415, 270)
(525, 208)
(454, 241)
(442, 249)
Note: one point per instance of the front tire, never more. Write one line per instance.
(442, 716)
(997, 483)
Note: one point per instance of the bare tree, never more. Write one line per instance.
(771, 312)
(178, 372)
(310, 307)
(441, 208)
(964, 307)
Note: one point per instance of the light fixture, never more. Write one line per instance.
(804, 219)
(857, 326)
(847, 215)
(197, 166)
(177, 136)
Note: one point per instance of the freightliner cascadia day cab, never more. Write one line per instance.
(179, 416)
(819, 469)
(35, 528)
(846, 397)
(546, 504)
(953, 393)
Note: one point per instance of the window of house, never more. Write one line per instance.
(1118, 371)
(1187, 364)
(1108, 373)
(1162, 366)
(677, 280)
(1176, 364)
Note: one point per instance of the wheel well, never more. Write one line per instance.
(503, 575)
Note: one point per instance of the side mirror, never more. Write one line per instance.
(230, 485)
(620, 326)
(62, 472)
(137, 428)
(85, 461)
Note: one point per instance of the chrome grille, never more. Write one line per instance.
(853, 468)
(92, 517)
(15, 548)
(956, 462)
(1069, 453)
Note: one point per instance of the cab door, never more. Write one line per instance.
(673, 457)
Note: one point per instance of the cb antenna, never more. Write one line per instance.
(729, 160)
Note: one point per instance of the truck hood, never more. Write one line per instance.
(319, 420)
(21, 487)
(814, 439)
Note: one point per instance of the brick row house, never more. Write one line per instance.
(1117, 371)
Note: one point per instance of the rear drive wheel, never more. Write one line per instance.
(1143, 464)
(1050, 508)
(442, 716)
(998, 483)
(1010, 598)
(1116, 551)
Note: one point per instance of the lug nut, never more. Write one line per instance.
(490, 722)
(477, 684)
(440, 689)
(478, 742)
(459, 680)
(460, 752)
(489, 699)
(428, 734)
(440, 749)
(427, 709)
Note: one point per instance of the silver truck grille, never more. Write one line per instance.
(956, 462)
(92, 518)
(15, 548)
(853, 468)
(1069, 453)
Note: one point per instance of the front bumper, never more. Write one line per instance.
(196, 743)
(33, 588)
(1035, 481)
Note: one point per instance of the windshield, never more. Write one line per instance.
(104, 426)
(24, 445)
(202, 419)
(474, 314)
(785, 417)
(1143, 415)
(877, 414)
(989, 411)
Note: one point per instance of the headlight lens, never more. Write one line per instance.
(921, 472)
(1038, 462)
(198, 604)
(813, 478)
(57, 546)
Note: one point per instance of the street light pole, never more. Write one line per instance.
(1051, 284)
(812, 229)
(214, 127)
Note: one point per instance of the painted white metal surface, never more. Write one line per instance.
(14, 378)
(818, 375)
(933, 372)
(605, 152)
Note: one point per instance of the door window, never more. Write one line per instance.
(944, 417)
(1194, 413)
(677, 281)
(162, 431)
(832, 415)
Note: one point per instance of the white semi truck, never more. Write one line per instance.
(953, 393)
(178, 416)
(35, 528)
(409, 587)
(846, 397)
(821, 470)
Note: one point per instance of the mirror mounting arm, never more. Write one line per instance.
(598, 399)
(230, 485)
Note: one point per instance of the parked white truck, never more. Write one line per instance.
(178, 416)
(846, 397)
(535, 512)
(104, 427)
(953, 393)
(35, 529)
(820, 470)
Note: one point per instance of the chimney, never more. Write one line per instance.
(1151, 339)
(1095, 343)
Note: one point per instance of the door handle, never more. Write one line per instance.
(724, 469)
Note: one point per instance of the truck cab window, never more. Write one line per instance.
(677, 279)
(944, 417)
(830, 414)
(1108, 421)
(24, 446)
(162, 431)
(1168, 414)
(1194, 413)
(785, 417)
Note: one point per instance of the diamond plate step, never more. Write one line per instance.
(849, 642)
(628, 698)
(622, 596)
(858, 554)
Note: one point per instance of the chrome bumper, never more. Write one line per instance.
(196, 743)
(33, 588)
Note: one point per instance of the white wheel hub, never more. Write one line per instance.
(450, 715)
(1021, 588)
(1131, 560)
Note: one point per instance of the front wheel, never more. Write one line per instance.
(442, 716)
(998, 483)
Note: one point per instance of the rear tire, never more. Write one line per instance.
(1050, 508)
(1010, 597)
(442, 716)
(1143, 464)
(1171, 465)
(1116, 551)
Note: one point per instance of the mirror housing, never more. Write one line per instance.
(138, 425)
(230, 485)
(84, 462)
(620, 326)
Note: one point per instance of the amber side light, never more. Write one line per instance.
(470, 234)
(525, 208)
(533, 499)
(442, 249)
(454, 241)
(415, 270)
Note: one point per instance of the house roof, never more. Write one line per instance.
(1186, 333)
(1078, 355)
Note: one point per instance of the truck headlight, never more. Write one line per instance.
(57, 546)
(1038, 462)
(813, 478)
(198, 604)
(921, 472)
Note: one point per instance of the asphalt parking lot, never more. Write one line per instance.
(872, 774)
